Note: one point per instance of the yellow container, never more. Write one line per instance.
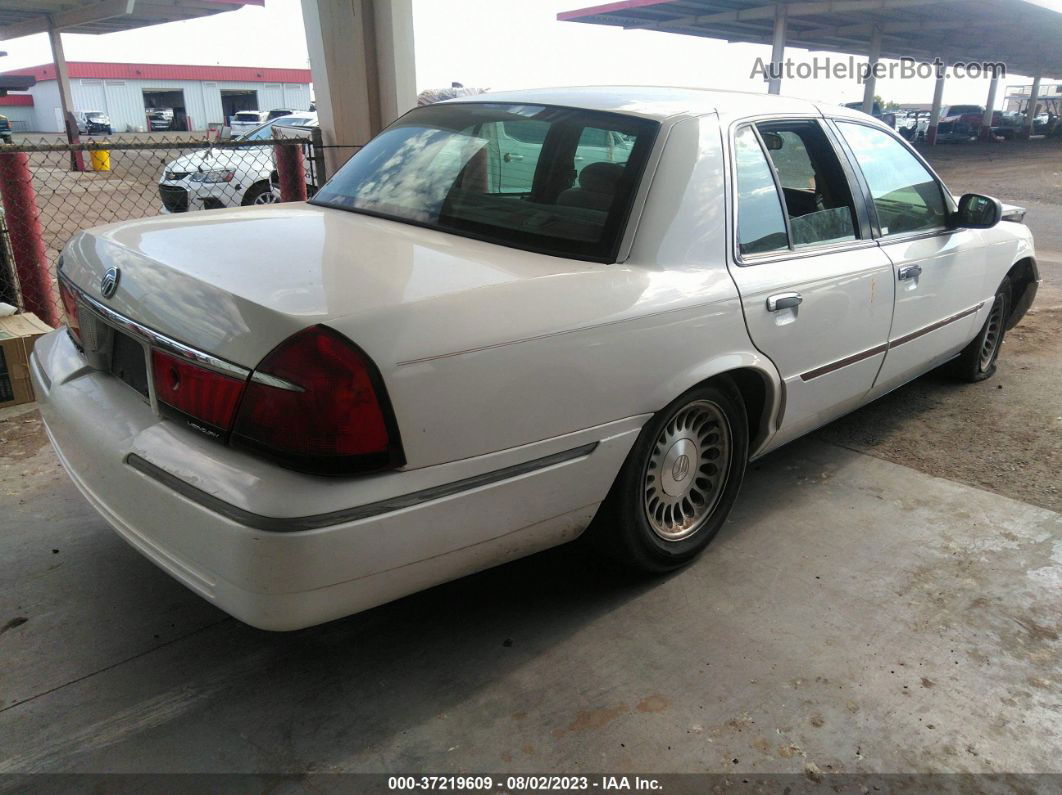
(101, 159)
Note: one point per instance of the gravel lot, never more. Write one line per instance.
(1005, 434)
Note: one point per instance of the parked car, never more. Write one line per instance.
(1007, 125)
(921, 124)
(160, 119)
(1046, 124)
(304, 410)
(888, 117)
(209, 179)
(959, 123)
(93, 122)
(246, 120)
(5, 129)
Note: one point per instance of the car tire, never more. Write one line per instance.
(678, 484)
(977, 361)
(259, 193)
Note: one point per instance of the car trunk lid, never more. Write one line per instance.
(235, 283)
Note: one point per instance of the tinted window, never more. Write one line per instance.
(814, 187)
(601, 146)
(511, 174)
(906, 196)
(761, 226)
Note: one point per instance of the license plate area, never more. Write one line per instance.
(129, 362)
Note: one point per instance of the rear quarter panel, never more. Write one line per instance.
(583, 347)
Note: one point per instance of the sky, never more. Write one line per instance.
(498, 44)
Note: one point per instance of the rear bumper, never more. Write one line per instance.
(297, 573)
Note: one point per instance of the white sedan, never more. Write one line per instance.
(449, 359)
(217, 177)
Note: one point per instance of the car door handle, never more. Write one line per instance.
(909, 272)
(783, 301)
(510, 157)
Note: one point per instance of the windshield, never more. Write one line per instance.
(554, 180)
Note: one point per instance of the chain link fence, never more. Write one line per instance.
(51, 190)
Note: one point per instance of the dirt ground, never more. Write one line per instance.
(1004, 434)
(1013, 171)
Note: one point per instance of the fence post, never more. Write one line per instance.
(291, 174)
(27, 238)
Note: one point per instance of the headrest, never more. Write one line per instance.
(600, 177)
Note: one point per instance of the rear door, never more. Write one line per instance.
(815, 288)
(939, 272)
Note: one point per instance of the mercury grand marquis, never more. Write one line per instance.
(507, 320)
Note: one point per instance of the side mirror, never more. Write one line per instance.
(977, 212)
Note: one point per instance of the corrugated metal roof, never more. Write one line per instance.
(149, 71)
(1023, 34)
(26, 17)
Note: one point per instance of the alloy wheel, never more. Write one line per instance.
(992, 335)
(687, 470)
(266, 197)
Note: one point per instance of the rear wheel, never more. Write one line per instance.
(978, 359)
(678, 484)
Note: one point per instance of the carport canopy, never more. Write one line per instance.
(26, 17)
(20, 18)
(1023, 34)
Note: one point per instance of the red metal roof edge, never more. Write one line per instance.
(149, 71)
(16, 100)
(620, 5)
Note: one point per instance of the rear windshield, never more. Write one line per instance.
(554, 180)
(247, 116)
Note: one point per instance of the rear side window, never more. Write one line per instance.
(554, 180)
(906, 196)
(815, 189)
(761, 226)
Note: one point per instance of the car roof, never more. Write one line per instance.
(664, 102)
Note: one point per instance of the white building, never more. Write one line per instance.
(198, 95)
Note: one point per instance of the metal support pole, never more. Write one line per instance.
(934, 115)
(869, 85)
(986, 133)
(1034, 97)
(66, 102)
(774, 85)
(22, 216)
(291, 174)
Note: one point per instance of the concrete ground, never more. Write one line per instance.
(856, 615)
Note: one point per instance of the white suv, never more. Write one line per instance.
(210, 179)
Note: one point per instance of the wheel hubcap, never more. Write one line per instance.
(687, 471)
(269, 197)
(995, 326)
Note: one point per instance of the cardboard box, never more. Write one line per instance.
(18, 333)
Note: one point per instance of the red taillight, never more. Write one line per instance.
(201, 395)
(66, 293)
(334, 416)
